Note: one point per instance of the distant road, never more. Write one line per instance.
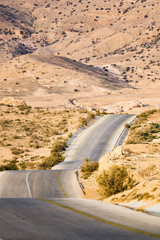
(59, 213)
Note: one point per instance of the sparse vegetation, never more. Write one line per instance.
(12, 165)
(142, 131)
(28, 135)
(88, 167)
(127, 125)
(115, 180)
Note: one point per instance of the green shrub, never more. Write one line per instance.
(115, 180)
(88, 168)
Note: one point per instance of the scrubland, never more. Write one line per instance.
(35, 138)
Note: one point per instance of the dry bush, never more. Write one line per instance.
(140, 132)
(55, 155)
(12, 165)
(115, 180)
(88, 168)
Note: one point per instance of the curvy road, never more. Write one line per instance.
(48, 204)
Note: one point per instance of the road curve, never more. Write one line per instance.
(56, 183)
(53, 215)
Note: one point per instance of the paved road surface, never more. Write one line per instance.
(24, 217)
(28, 219)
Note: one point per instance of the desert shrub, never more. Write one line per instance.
(24, 107)
(55, 132)
(16, 137)
(154, 189)
(141, 196)
(115, 180)
(22, 165)
(91, 115)
(141, 119)
(65, 130)
(140, 132)
(51, 161)
(59, 146)
(70, 134)
(12, 165)
(55, 155)
(146, 195)
(152, 111)
(88, 168)
(17, 151)
(5, 123)
(154, 127)
(143, 135)
(83, 110)
(127, 125)
(83, 121)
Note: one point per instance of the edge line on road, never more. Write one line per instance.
(101, 219)
(58, 175)
(114, 133)
(28, 187)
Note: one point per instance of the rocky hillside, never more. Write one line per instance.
(73, 47)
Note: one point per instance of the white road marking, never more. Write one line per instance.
(28, 187)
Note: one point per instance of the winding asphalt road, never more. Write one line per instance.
(47, 204)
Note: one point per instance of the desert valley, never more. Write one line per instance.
(80, 53)
(67, 67)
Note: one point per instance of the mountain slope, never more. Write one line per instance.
(120, 37)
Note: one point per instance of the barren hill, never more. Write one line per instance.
(88, 53)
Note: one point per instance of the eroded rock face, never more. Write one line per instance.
(132, 105)
(23, 47)
(12, 101)
(123, 107)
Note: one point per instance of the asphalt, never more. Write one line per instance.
(28, 219)
(47, 204)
